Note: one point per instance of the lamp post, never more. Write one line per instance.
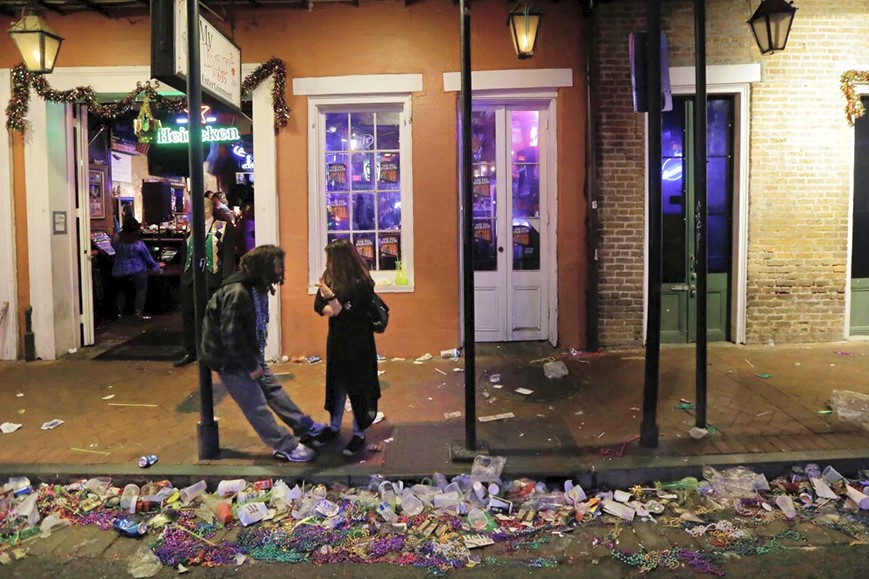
(36, 40)
(771, 24)
(523, 23)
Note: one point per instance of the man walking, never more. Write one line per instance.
(233, 344)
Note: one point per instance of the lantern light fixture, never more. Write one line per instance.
(771, 24)
(524, 23)
(36, 40)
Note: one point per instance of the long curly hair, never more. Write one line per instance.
(259, 264)
(344, 267)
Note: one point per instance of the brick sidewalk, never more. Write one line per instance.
(570, 425)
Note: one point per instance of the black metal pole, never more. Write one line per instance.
(649, 427)
(700, 202)
(209, 442)
(469, 351)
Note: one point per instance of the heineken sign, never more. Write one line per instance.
(169, 136)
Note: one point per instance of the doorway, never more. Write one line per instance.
(512, 257)
(859, 320)
(679, 277)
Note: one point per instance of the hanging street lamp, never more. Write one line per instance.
(771, 24)
(523, 23)
(36, 40)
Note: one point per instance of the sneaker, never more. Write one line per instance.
(323, 437)
(356, 444)
(299, 454)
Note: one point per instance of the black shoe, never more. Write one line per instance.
(187, 359)
(321, 438)
(356, 444)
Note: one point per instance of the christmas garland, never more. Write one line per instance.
(853, 105)
(23, 81)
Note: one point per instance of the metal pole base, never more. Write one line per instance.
(459, 451)
(209, 441)
(649, 435)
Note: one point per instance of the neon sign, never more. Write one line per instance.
(671, 169)
(168, 136)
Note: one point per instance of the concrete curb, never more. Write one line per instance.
(620, 473)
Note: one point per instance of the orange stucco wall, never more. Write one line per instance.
(382, 38)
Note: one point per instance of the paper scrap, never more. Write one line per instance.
(492, 417)
(52, 424)
(498, 386)
(9, 427)
(20, 395)
(109, 397)
(458, 369)
(441, 371)
(456, 414)
(495, 378)
(524, 391)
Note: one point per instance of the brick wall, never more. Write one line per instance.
(801, 155)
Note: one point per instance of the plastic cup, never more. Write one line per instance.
(129, 497)
(477, 519)
(858, 497)
(193, 491)
(229, 487)
(786, 504)
(831, 475)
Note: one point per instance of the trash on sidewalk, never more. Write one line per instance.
(555, 369)
(851, 407)
(456, 414)
(763, 375)
(523, 391)
(9, 427)
(697, 433)
(493, 417)
(52, 424)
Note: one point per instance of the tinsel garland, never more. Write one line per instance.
(853, 105)
(23, 81)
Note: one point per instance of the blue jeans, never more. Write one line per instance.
(140, 284)
(256, 396)
(338, 412)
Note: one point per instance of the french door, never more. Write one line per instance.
(511, 256)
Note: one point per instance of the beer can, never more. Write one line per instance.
(130, 528)
(263, 485)
(146, 461)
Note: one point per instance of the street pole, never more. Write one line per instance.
(472, 446)
(209, 440)
(700, 201)
(649, 427)
(468, 233)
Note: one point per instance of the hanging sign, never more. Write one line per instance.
(166, 135)
(219, 57)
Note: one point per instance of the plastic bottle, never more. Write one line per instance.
(193, 491)
(223, 513)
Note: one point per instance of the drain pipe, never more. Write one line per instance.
(592, 205)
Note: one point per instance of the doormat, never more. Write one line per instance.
(153, 345)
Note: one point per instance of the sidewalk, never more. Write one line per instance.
(583, 425)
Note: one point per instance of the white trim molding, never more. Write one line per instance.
(735, 80)
(8, 270)
(511, 80)
(358, 84)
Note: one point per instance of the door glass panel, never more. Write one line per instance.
(484, 193)
(674, 267)
(719, 169)
(525, 171)
(860, 239)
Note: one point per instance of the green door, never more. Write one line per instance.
(679, 287)
(860, 232)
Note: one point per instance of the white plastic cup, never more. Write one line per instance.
(494, 490)
(451, 353)
(831, 475)
(619, 510)
(479, 490)
(229, 487)
(193, 491)
(858, 497)
(411, 505)
(477, 519)
(129, 497)
(786, 504)
(250, 513)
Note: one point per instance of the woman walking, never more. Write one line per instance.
(345, 296)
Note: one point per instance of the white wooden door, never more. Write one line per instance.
(510, 212)
(82, 222)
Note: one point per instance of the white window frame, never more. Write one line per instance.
(355, 99)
